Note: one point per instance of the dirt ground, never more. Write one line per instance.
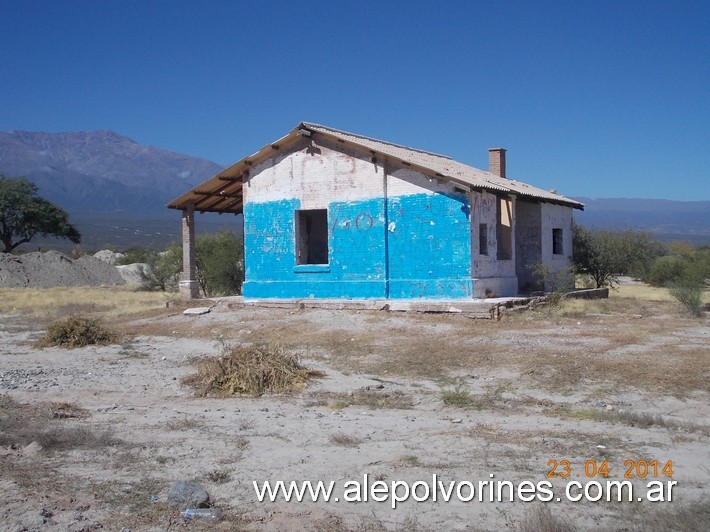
(93, 437)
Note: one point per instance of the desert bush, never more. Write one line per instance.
(684, 264)
(345, 440)
(135, 255)
(604, 254)
(251, 371)
(77, 331)
(666, 270)
(556, 281)
(220, 263)
(457, 395)
(689, 292)
(162, 270)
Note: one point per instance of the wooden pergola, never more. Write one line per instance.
(222, 193)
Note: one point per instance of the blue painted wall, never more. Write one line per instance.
(356, 252)
(422, 246)
(429, 247)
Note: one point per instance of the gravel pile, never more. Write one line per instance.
(45, 270)
(108, 256)
(27, 379)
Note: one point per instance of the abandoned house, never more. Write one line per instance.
(330, 214)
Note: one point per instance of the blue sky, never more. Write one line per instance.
(596, 99)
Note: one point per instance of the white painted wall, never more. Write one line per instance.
(492, 277)
(556, 216)
(403, 181)
(316, 174)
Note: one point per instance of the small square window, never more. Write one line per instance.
(557, 246)
(312, 236)
(483, 239)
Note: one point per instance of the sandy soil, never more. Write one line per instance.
(378, 412)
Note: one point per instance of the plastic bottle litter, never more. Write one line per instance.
(208, 514)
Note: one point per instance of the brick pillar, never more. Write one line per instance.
(189, 287)
(496, 161)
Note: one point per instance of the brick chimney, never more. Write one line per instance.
(496, 161)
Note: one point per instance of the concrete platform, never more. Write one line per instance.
(488, 308)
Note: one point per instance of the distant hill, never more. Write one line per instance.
(100, 170)
(668, 220)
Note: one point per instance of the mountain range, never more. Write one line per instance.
(668, 220)
(101, 170)
(100, 176)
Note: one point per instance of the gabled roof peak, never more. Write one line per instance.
(332, 130)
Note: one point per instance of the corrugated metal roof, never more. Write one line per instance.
(222, 193)
(447, 167)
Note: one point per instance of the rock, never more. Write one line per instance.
(131, 273)
(184, 494)
(108, 256)
(196, 311)
(32, 449)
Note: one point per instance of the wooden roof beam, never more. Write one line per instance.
(220, 194)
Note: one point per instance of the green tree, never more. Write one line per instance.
(161, 270)
(24, 214)
(220, 263)
(684, 264)
(604, 254)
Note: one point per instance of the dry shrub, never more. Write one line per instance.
(633, 419)
(251, 371)
(457, 395)
(689, 517)
(690, 295)
(77, 331)
(345, 440)
(186, 423)
(541, 519)
(22, 424)
(374, 399)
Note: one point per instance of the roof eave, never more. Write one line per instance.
(241, 167)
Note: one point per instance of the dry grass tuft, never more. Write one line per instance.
(22, 424)
(409, 460)
(185, 423)
(541, 519)
(689, 517)
(374, 399)
(77, 331)
(345, 440)
(492, 397)
(633, 419)
(457, 395)
(219, 476)
(251, 371)
(64, 410)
